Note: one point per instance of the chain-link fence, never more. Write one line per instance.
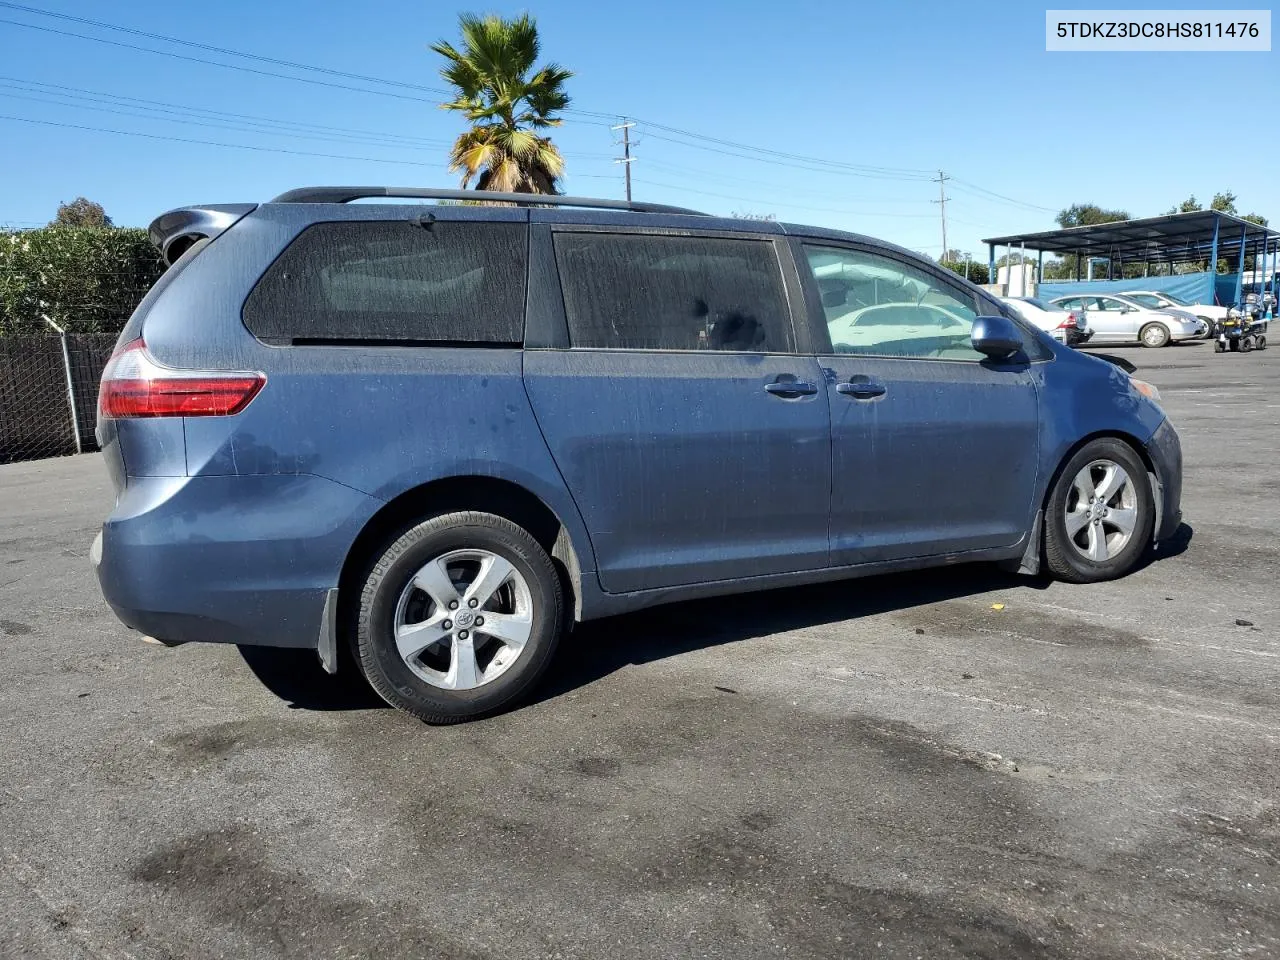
(48, 393)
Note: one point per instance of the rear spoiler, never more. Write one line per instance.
(175, 231)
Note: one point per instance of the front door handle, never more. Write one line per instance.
(788, 386)
(861, 390)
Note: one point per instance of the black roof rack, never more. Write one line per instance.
(347, 194)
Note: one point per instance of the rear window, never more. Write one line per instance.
(448, 282)
(660, 292)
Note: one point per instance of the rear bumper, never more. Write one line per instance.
(246, 560)
(1165, 451)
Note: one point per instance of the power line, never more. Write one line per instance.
(156, 105)
(221, 125)
(213, 143)
(828, 208)
(256, 124)
(226, 51)
(701, 141)
(967, 187)
(813, 165)
(908, 172)
(215, 63)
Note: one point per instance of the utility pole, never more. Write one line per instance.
(942, 206)
(625, 159)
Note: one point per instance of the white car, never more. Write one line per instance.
(1210, 313)
(1116, 318)
(925, 328)
(1060, 323)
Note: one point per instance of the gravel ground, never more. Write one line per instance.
(889, 767)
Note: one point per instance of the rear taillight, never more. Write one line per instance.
(1069, 323)
(134, 384)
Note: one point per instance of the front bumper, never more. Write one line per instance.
(1165, 450)
(245, 560)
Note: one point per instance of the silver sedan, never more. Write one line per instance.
(1115, 318)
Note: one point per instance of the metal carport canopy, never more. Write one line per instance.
(1177, 238)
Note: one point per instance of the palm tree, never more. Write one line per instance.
(504, 105)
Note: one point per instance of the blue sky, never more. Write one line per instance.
(894, 92)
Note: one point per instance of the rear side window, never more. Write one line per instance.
(658, 292)
(451, 282)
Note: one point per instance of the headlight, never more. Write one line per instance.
(1148, 390)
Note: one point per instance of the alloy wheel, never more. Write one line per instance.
(1101, 510)
(463, 619)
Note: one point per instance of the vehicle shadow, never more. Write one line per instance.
(1176, 545)
(598, 648)
(296, 677)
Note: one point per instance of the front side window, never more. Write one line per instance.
(879, 306)
(659, 292)
(368, 280)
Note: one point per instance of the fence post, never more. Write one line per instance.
(71, 386)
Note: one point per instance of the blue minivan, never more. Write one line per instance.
(442, 433)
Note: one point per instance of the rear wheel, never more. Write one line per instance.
(1100, 515)
(1154, 335)
(459, 617)
(1261, 343)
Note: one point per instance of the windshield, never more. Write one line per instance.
(1178, 300)
(1049, 307)
(1147, 299)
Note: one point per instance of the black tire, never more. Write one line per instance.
(1155, 335)
(1246, 344)
(1219, 347)
(397, 566)
(1262, 342)
(1062, 557)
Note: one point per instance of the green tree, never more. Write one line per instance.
(505, 100)
(80, 212)
(1088, 214)
(977, 272)
(87, 279)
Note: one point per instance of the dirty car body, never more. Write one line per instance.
(654, 398)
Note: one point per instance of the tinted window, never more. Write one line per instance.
(883, 307)
(652, 292)
(372, 280)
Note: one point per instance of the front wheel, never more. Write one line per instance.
(1155, 335)
(1100, 515)
(1262, 342)
(458, 617)
(1246, 344)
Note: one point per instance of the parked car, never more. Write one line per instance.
(439, 435)
(1063, 325)
(1115, 318)
(1210, 313)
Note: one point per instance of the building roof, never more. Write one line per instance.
(1178, 237)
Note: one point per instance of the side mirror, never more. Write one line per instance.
(997, 337)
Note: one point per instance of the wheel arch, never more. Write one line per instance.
(488, 494)
(1033, 557)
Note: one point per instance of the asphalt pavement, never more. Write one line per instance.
(951, 764)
